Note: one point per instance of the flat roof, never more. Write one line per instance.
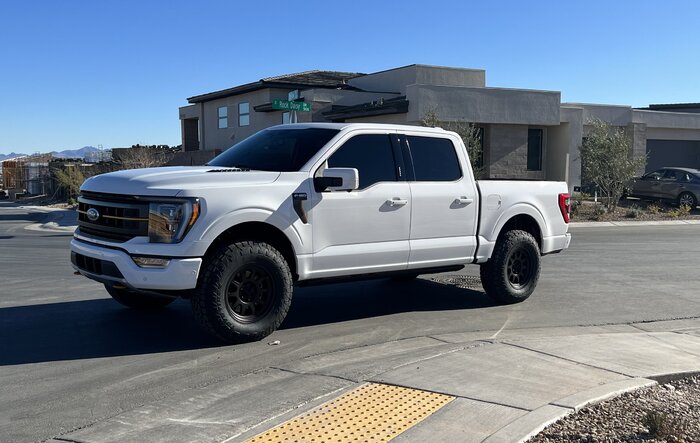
(298, 80)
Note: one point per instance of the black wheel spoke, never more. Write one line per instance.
(249, 293)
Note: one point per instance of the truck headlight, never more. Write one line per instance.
(168, 222)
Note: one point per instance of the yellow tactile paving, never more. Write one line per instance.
(371, 413)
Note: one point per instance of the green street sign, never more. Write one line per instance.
(286, 105)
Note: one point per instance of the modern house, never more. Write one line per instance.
(527, 134)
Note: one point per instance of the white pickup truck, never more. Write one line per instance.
(311, 203)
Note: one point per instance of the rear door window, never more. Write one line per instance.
(434, 159)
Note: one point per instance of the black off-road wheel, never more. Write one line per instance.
(687, 199)
(511, 275)
(244, 292)
(139, 300)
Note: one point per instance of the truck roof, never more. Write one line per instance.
(342, 126)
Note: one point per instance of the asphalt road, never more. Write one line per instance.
(71, 357)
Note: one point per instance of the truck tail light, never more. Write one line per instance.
(565, 206)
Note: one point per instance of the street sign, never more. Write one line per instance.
(286, 105)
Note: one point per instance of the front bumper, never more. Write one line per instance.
(181, 273)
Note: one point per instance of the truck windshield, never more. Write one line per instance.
(282, 150)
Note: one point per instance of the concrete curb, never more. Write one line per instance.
(524, 428)
(609, 224)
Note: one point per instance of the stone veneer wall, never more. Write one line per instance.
(507, 153)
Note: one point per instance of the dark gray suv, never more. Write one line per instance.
(681, 185)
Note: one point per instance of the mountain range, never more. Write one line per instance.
(68, 153)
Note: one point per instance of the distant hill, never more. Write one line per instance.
(86, 151)
(10, 156)
(75, 153)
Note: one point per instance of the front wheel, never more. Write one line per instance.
(244, 292)
(510, 276)
(138, 300)
(687, 199)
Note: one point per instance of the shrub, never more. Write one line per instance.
(653, 208)
(599, 212)
(656, 423)
(633, 212)
(661, 426)
(606, 160)
(575, 208)
(69, 180)
(684, 210)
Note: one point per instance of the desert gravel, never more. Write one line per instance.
(673, 407)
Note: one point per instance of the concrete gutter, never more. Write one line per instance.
(507, 385)
(608, 224)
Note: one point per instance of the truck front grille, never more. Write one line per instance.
(112, 217)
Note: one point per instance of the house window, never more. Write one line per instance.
(535, 139)
(286, 118)
(243, 114)
(223, 117)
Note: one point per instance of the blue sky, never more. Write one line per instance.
(76, 73)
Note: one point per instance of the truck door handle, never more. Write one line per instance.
(396, 202)
(464, 200)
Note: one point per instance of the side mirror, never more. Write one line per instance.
(338, 179)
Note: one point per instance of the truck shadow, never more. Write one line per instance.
(102, 328)
(351, 301)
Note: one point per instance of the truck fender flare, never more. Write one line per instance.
(260, 215)
(514, 211)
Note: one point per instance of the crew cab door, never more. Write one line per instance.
(444, 199)
(365, 230)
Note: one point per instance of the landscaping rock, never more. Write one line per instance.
(662, 413)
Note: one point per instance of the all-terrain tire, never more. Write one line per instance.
(511, 275)
(244, 292)
(686, 198)
(139, 300)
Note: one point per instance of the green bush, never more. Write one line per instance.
(653, 208)
(684, 210)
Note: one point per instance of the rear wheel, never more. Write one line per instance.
(687, 199)
(244, 292)
(511, 275)
(139, 300)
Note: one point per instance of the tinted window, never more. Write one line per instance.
(372, 156)
(670, 175)
(276, 149)
(656, 175)
(434, 159)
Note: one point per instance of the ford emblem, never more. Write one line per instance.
(92, 214)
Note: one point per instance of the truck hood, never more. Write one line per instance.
(169, 181)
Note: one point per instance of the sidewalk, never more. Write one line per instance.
(491, 386)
